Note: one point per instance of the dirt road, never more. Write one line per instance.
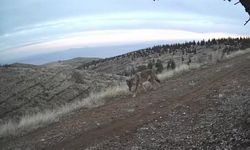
(207, 108)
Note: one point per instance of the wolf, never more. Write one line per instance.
(147, 75)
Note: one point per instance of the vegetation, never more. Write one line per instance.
(5, 65)
(186, 48)
(159, 66)
(150, 64)
(245, 4)
(171, 64)
(33, 121)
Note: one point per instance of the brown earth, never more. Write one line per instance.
(207, 108)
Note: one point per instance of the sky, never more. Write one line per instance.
(61, 29)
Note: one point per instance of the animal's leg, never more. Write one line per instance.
(154, 87)
(136, 88)
(149, 78)
(157, 83)
(143, 85)
(152, 84)
(134, 95)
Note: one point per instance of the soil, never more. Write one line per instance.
(206, 108)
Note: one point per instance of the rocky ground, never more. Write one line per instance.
(206, 108)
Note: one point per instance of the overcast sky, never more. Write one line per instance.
(31, 28)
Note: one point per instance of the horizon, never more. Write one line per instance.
(54, 29)
(74, 53)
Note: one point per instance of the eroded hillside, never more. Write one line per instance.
(27, 89)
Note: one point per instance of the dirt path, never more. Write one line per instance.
(117, 124)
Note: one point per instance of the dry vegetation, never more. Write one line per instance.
(29, 121)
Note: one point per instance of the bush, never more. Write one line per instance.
(141, 68)
(150, 65)
(171, 64)
(5, 65)
(159, 66)
(189, 60)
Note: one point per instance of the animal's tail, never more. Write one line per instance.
(158, 80)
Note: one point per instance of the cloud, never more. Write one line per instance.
(57, 29)
(95, 23)
(108, 38)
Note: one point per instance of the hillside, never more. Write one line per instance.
(202, 52)
(36, 100)
(28, 89)
(71, 63)
(205, 108)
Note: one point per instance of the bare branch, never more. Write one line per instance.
(247, 21)
(237, 3)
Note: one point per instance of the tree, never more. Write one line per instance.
(171, 64)
(202, 43)
(245, 4)
(159, 66)
(150, 65)
(189, 60)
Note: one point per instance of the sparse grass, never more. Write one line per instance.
(170, 73)
(34, 121)
(237, 53)
(30, 122)
(216, 56)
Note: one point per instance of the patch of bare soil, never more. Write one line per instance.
(201, 109)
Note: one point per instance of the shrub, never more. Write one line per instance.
(150, 65)
(171, 64)
(159, 66)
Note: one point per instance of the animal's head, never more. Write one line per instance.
(129, 83)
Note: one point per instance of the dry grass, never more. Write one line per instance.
(237, 53)
(170, 73)
(216, 57)
(33, 121)
(30, 122)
